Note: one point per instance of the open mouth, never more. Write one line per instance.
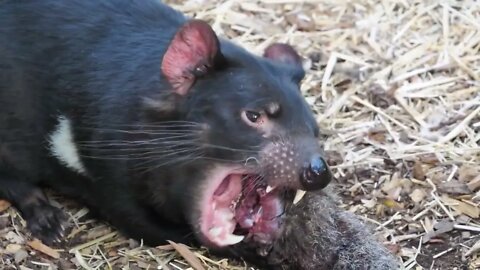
(237, 207)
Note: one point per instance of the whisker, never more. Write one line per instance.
(173, 153)
(179, 161)
(163, 124)
(142, 155)
(229, 148)
(148, 132)
(140, 144)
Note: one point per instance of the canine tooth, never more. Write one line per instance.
(215, 231)
(269, 188)
(227, 214)
(298, 196)
(233, 239)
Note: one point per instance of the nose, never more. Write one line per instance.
(316, 175)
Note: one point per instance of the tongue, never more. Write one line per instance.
(267, 225)
(257, 212)
(247, 212)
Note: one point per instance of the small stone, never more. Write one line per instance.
(418, 195)
(132, 243)
(4, 222)
(315, 57)
(12, 248)
(20, 256)
(466, 235)
(65, 264)
(14, 238)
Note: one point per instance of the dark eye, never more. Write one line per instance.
(252, 116)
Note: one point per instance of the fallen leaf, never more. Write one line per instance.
(454, 187)
(394, 248)
(439, 228)
(4, 205)
(393, 187)
(301, 20)
(165, 247)
(380, 97)
(474, 184)
(418, 195)
(368, 203)
(473, 249)
(392, 204)
(39, 246)
(430, 159)
(464, 208)
(438, 176)
(466, 173)
(188, 255)
(377, 136)
(418, 172)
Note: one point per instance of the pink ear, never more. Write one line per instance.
(283, 53)
(191, 54)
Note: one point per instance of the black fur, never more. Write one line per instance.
(95, 62)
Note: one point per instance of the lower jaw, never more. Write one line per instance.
(256, 220)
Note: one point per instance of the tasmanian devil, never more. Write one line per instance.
(163, 129)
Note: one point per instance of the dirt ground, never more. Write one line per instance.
(396, 89)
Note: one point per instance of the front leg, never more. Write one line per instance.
(44, 221)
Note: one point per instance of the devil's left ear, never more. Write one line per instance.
(193, 52)
(286, 54)
(283, 53)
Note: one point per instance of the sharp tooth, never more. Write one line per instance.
(233, 239)
(298, 196)
(215, 231)
(226, 214)
(269, 188)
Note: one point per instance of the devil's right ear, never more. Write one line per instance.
(192, 53)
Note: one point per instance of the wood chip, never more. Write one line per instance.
(39, 246)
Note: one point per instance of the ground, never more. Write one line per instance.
(396, 89)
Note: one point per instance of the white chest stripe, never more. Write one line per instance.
(63, 147)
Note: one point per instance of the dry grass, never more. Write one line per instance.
(397, 91)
